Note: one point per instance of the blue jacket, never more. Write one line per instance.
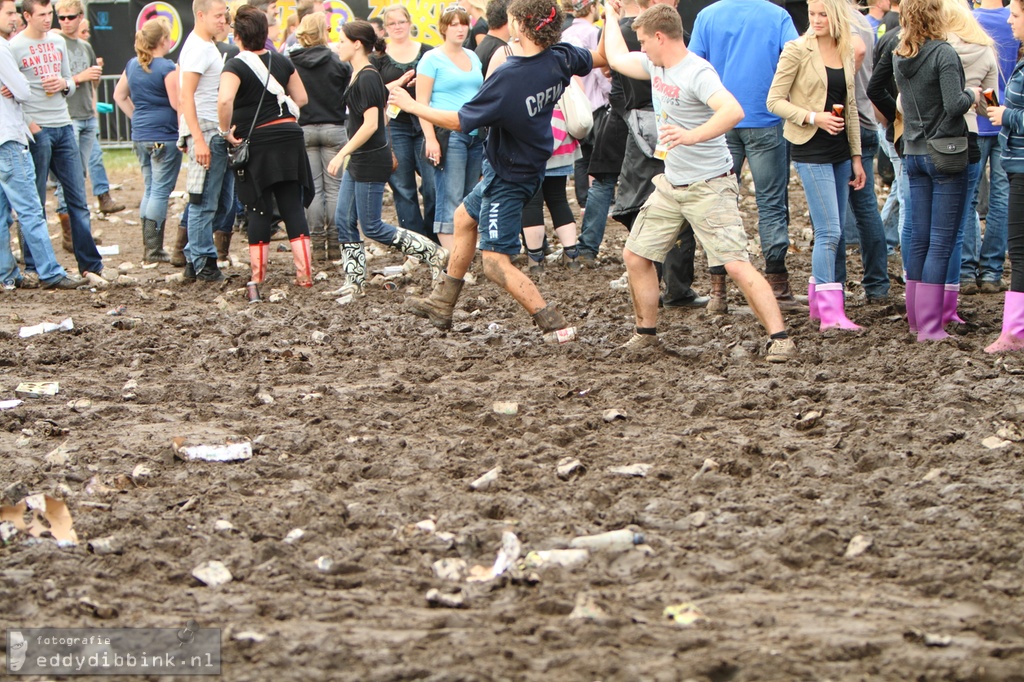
(1012, 132)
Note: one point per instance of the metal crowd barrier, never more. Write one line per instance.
(115, 128)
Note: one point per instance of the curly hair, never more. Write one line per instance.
(922, 20)
(539, 20)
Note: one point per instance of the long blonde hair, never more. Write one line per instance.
(148, 38)
(961, 22)
(838, 25)
(922, 20)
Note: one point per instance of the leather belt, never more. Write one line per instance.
(723, 175)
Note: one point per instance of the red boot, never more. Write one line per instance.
(258, 261)
(303, 258)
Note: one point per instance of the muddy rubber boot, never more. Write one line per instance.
(832, 307)
(353, 256)
(108, 205)
(65, 233)
(911, 295)
(333, 246)
(318, 243)
(258, 255)
(418, 246)
(222, 242)
(812, 300)
(303, 259)
(440, 305)
(153, 240)
(950, 299)
(178, 252)
(553, 325)
(718, 304)
(1012, 336)
(928, 302)
(779, 282)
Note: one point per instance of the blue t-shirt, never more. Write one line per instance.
(994, 23)
(743, 39)
(154, 120)
(453, 87)
(516, 103)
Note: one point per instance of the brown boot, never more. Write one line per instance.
(153, 240)
(553, 325)
(178, 253)
(719, 303)
(440, 305)
(779, 282)
(222, 241)
(108, 205)
(65, 233)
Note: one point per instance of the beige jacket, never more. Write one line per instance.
(980, 69)
(800, 86)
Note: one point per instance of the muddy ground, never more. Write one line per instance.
(384, 423)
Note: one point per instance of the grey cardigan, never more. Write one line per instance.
(933, 95)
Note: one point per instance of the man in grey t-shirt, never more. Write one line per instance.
(43, 60)
(695, 111)
(86, 72)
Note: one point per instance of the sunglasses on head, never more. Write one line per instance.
(452, 8)
(68, 17)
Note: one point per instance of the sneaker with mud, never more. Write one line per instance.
(29, 280)
(780, 350)
(641, 342)
(65, 283)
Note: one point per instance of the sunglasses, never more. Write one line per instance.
(452, 8)
(68, 17)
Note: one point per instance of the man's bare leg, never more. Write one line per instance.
(499, 269)
(643, 288)
(463, 244)
(758, 294)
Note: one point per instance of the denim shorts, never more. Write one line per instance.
(497, 206)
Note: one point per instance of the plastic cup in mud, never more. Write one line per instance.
(990, 97)
(252, 290)
(561, 336)
(393, 110)
(390, 286)
(837, 109)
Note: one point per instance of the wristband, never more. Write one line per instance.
(811, 121)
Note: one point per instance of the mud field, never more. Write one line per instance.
(368, 426)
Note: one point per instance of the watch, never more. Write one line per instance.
(67, 88)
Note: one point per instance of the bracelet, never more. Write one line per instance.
(811, 120)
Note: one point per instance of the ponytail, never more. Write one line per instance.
(148, 39)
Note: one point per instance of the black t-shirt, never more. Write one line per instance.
(480, 28)
(391, 70)
(372, 161)
(629, 93)
(250, 89)
(825, 147)
(486, 49)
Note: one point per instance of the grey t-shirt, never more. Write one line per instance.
(37, 58)
(80, 58)
(865, 110)
(680, 96)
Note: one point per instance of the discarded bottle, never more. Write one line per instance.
(557, 557)
(253, 292)
(612, 541)
(561, 336)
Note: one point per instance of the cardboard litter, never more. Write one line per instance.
(37, 389)
(45, 515)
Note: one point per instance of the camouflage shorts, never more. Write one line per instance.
(710, 206)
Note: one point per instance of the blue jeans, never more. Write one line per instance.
(968, 215)
(18, 185)
(218, 194)
(767, 152)
(892, 213)
(988, 267)
(55, 150)
(87, 133)
(407, 143)
(864, 205)
(907, 217)
(827, 189)
(497, 207)
(160, 162)
(458, 177)
(368, 198)
(938, 200)
(599, 202)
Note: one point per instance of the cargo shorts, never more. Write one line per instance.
(710, 206)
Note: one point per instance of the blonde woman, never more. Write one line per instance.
(477, 10)
(934, 98)
(326, 78)
(147, 93)
(813, 91)
(977, 53)
(402, 55)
